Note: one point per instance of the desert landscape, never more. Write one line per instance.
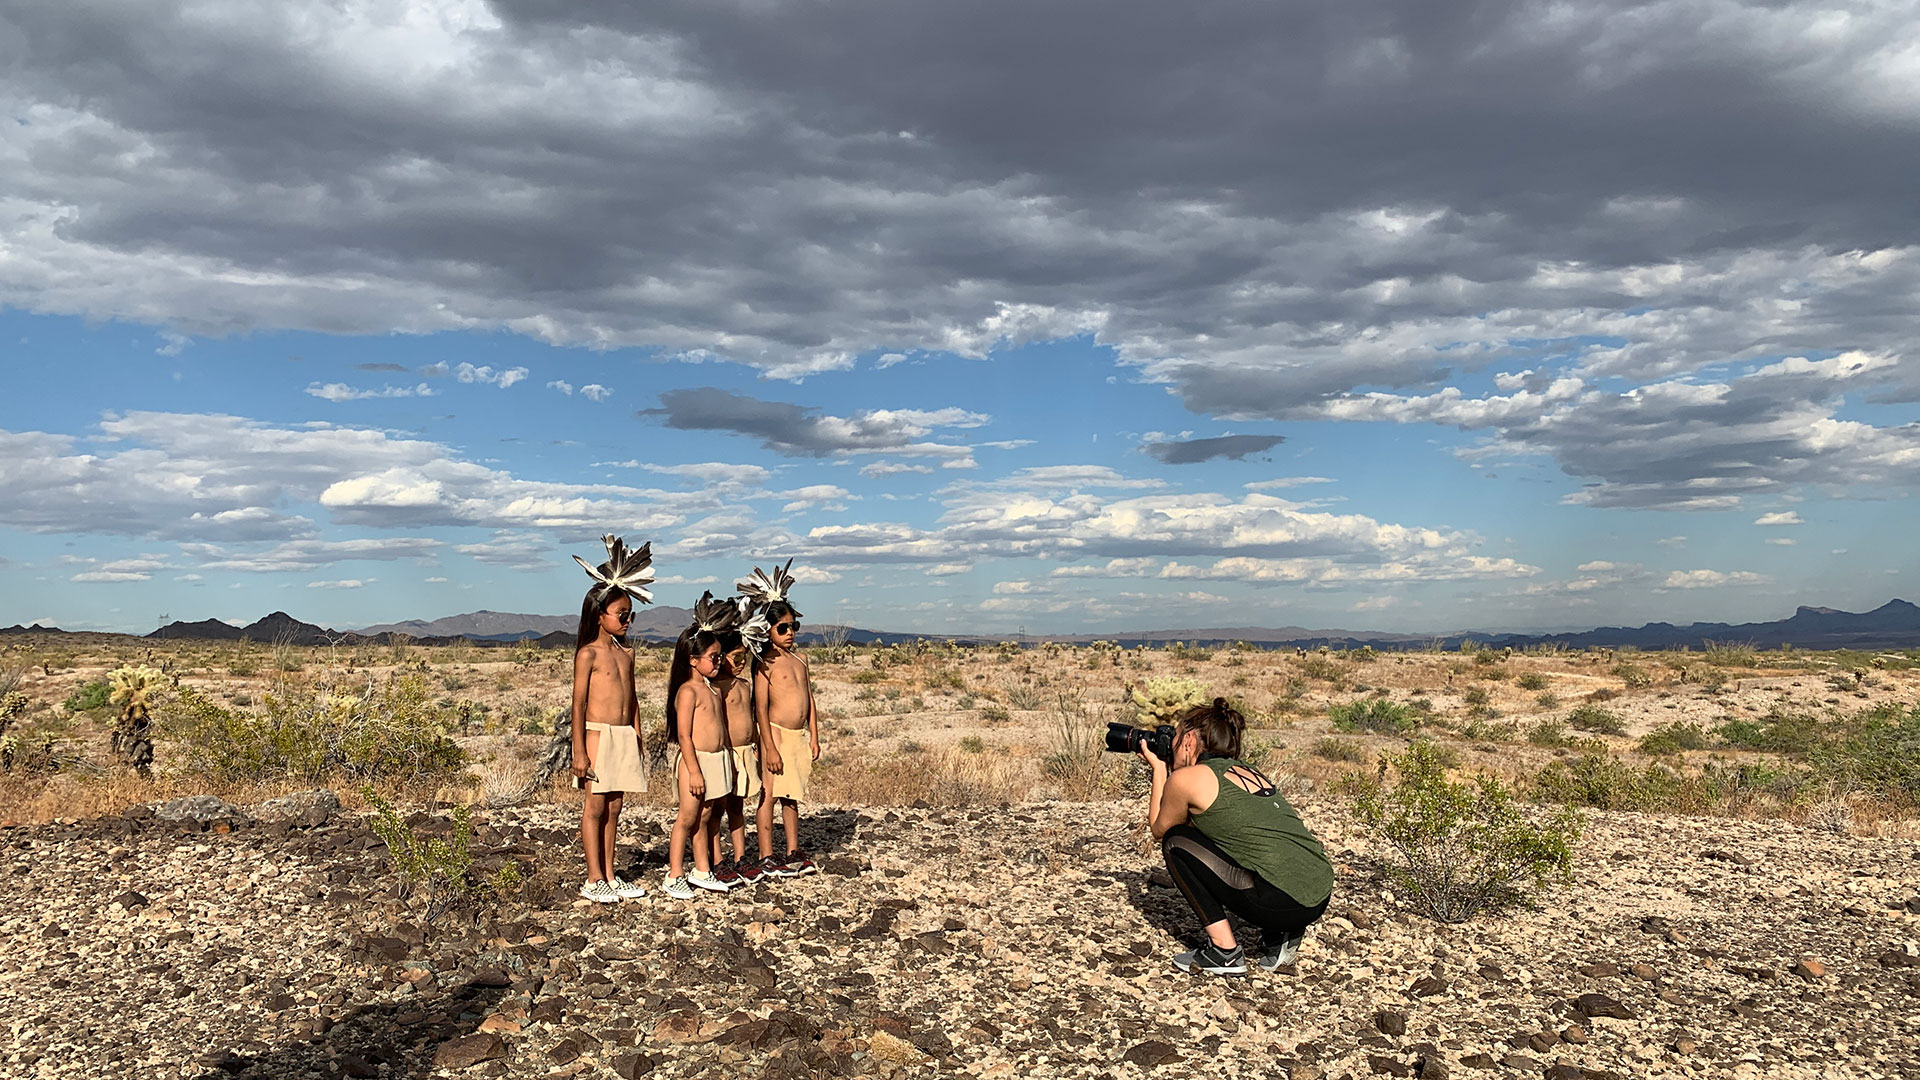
(1744, 898)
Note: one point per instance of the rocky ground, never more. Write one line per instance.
(995, 942)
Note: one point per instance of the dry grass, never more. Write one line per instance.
(896, 720)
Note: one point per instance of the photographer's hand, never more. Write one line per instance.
(1158, 787)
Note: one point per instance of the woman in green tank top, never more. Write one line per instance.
(1233, 843)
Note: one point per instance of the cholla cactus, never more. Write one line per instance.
(132, 689)
(13, 706)
(1162, 701)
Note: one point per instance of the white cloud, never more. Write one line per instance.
(338, 392)
(1712, 579)
(595, 392)
(561, 385)
(1781, 541)
(1287, 482)
(816, 497)
(300, 555)
(468, 373)
(947, 569)
(1782, 517)
(891, 468)
(343, 583)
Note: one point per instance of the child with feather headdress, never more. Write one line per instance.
(788, 722)
(734, 682)
(703, 766)
(608, 753)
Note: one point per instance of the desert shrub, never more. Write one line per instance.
(1600, 780)
(88, 696)
(1548, 733)
(1591, 717)
(1487, 658)
(1378, 715)
(945, 679)
(1673, 738)
(994, 714)
(1604, 693)
(1484, 729)
(243, 664)
(973, 744)
(1076, 747)
(1877, 751)
(441, 867)
(1546, 699)
(1163, 701)
(1337, 749)
(867, 677)
(1778, 732)
(1026, 698)
(1476, 695)
(1731, 654)
(1635, 676)
(1323, 668)
(1463, 848)
(313, 733)
(1532, 680)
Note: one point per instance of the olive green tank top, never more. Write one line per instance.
(1265, 834)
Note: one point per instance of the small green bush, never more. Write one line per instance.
(867, 677)
(1591, 717)
(1476, 696)
(1532, 680)
(1877, 751)
(1548, 733)
(1779, 732)
(442, 867)
(1378, 715)
(1546, 699)
(1025, 697)
(1635, 676)
(994, 714)
(1463, 848)
(1323, 668)
(1602, 781)
(314, 733)
(1337, 749)
(1673, 738)
(973, 744)
(88, 696)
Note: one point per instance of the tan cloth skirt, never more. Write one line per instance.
(796, 764)
(716, 771)
(746, 771)
(615, 760)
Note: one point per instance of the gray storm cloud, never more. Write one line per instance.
(1274, 209)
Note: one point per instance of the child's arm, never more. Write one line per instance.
(683, 706)
(582, 675)
(813, 716)
(763, 719)
(633, 713)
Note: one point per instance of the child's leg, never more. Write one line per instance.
(736, 826)
(790, 812)
(703, 838)
(593, 837)
(763, 823)
(683, 829)
(610, 831)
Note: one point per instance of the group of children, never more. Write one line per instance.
(740, 722)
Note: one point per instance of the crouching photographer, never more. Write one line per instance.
(1232, 842)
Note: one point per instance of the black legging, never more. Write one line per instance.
(1214, 884)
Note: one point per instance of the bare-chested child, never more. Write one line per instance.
(735, 683)
(789, 739)
(607, 751)
(696, 722)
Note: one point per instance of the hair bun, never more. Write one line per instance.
(1220, 706)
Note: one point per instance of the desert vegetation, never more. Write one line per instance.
(1830, 738)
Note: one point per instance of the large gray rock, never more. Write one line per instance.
(201, 810)
(309, 808)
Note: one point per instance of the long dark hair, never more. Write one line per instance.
(1219, 725)
(775, 612)
(692, 642)
(597, 601)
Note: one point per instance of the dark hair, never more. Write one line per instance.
(692, 640)
(1219, 725)
(597, 601)
(780, 607)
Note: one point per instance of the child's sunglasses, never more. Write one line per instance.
(625, 616)
(781, 628)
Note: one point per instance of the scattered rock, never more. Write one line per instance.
(1428, 986)
(306, 808)
(469, 1050)
(202, 811)
(1574, 1035)
(130, 900)
(892, 1048)
(1810, 970)
(1151, 1053)
(1593, 1005)
(1386, 1066)
(632, 1066)
(1390, 1023)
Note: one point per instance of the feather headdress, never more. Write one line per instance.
(715, 616)
(625, 571)
(754, 630)
(763, 588)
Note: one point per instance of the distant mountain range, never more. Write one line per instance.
(1893, 625)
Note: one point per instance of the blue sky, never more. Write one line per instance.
(983, 337)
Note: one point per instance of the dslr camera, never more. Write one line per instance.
(1124, 738)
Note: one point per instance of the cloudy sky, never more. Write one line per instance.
(1064, 316)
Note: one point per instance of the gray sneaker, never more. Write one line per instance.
(1272, 958)
(677, 888)
(1211, 959)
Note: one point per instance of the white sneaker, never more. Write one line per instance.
(704, 879)
(628, 890)
(599, 892)
(677, 888)
(1272, 958)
